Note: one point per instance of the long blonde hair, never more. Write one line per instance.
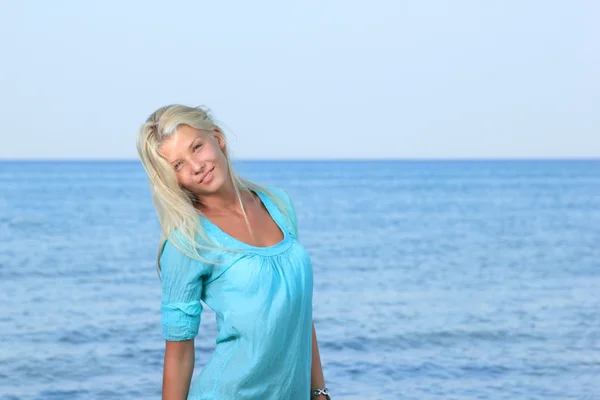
(179, 220)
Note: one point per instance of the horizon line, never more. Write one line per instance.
(416, 159)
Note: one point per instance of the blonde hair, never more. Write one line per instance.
(179, 220)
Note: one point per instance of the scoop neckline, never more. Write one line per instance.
(229, 240)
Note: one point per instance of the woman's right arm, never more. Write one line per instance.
(182, 287)
(178, 369)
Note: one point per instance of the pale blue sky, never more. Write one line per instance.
(314, 79)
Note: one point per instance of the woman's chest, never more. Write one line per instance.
(258, 275)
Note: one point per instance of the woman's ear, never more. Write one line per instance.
(220, 138)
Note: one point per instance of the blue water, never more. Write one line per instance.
(433, 280)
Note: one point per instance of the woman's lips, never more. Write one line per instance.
(208, 176)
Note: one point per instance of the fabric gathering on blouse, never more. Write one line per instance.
(262, 299)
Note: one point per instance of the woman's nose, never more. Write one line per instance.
(196, 166)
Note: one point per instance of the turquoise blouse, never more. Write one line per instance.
(262, 298)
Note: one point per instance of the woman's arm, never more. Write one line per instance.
(317, 381)
(178, 369)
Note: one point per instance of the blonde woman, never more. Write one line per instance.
(234, 245)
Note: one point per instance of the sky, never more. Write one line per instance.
(305, 80)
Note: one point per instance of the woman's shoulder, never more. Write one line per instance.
(283, 196)
(178, 249)
(175, 250)
(279, 192)
(288, 206)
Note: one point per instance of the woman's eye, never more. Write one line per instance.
(177, 166)
(197, 146)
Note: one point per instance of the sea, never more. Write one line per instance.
(449, 279)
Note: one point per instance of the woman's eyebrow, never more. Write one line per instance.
(192, 142)
(189, 147)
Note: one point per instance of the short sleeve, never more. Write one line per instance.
(182, 284)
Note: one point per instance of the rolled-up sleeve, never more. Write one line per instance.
(182, 284)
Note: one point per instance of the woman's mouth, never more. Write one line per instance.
(206, 178)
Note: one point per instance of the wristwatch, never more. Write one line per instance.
(318, 392)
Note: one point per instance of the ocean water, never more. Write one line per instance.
(433, 280)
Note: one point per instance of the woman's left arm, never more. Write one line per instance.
(317, 381)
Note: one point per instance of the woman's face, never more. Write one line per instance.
(197, 158)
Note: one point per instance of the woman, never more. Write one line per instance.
(232, 244)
